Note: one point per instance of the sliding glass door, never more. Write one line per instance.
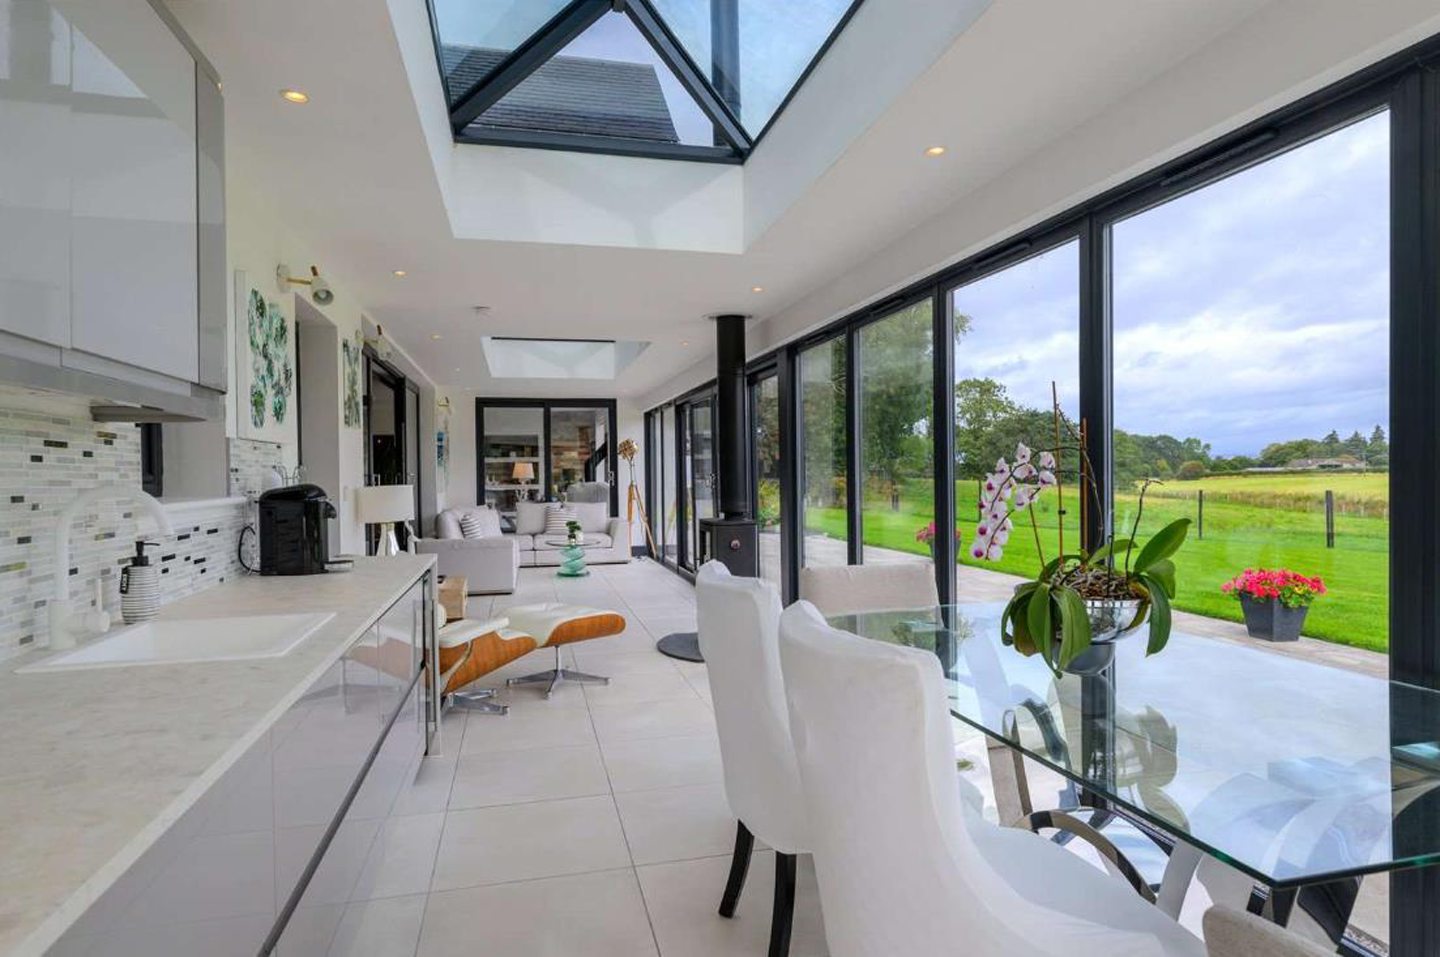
(697, 423)
(896, 438)
(825, 454)
(543, 449)
(1017, 352)
(765, 501)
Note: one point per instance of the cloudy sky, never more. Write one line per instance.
(1253, 310)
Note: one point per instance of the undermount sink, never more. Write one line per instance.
(175, 641)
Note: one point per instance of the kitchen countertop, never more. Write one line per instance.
(95, 765)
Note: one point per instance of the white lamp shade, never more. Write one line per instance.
(523, 472)
(377, 504)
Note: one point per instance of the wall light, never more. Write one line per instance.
(295, 96)
(319, 288)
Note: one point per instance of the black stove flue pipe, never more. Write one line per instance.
(730, 445)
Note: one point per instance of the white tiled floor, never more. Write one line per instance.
(592, 823)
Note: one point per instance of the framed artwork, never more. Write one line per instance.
(350, 350)
(264, 365)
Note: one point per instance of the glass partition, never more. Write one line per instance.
(896, 360)
(823, 390)
(579, 451)
(699, 417)
(669, 507)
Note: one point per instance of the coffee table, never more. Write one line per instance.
(572, 555)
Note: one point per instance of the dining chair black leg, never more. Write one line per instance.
(739, 867)
(784, 913)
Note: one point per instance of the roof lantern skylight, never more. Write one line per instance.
(684, 79)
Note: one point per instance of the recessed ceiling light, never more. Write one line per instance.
(935, 151)
(295, 96)
(400, 273)
(757, 288)
(684, 342)
(435, 335)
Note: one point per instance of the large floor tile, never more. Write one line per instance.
(623, 664)
(379, 928)
(663, 762)
(514, 777)
(682, 899)
(524, 841)
(594, 915)
(676, 824)
(526, 728)
(659, 686)
(651, 719)
(402, 858)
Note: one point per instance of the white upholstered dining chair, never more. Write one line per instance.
(904, 866)
(885, 586)
(738, 623)
(1231, 932)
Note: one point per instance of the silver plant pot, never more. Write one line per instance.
(1112, 617)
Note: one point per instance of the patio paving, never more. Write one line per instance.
(979, 584)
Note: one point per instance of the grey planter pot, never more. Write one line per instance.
(1271, 620)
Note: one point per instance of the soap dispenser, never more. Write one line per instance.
(139, 587)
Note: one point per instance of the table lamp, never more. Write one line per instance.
(523, 474)
(385, 505)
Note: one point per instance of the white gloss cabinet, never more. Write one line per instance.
(34, 188)
(133, 189)
(112, 229)
(276, 846)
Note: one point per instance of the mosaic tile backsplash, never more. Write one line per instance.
(251, 463)
(45, 460)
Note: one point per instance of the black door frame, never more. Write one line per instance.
(546, 406)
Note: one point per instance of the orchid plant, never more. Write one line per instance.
(1049, 615)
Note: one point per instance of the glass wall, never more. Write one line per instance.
(765, 428)
(1251, 378)
(669, 507)
(699, 418)
(579, 448)
(825, 448)
(897, 444)
(1017, 335)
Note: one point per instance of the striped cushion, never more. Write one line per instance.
(556, 517)
(471, 526)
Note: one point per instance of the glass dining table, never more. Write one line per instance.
(1297, 774)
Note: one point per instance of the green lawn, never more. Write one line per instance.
(1289, 531)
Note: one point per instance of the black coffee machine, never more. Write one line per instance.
(294, 537)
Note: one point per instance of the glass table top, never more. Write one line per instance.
(1294, 772)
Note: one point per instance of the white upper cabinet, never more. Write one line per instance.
(112, 205)
(34, 186)
(133, 191)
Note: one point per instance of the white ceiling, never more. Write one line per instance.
(354, 176)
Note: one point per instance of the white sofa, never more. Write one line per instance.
(490, 567)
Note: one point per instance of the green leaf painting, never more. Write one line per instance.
(272, 374)
(350, 352)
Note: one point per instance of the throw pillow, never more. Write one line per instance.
(594, 516)
(529, 518)
(556, 517)
(471, 526)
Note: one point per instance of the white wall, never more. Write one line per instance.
(259, 240)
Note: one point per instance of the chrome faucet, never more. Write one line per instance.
(66, 627)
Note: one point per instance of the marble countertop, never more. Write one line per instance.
(95, 765)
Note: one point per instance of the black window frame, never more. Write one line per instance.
(1406, 84)
(546, 405)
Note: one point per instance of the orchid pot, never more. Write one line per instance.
(1080, 600)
